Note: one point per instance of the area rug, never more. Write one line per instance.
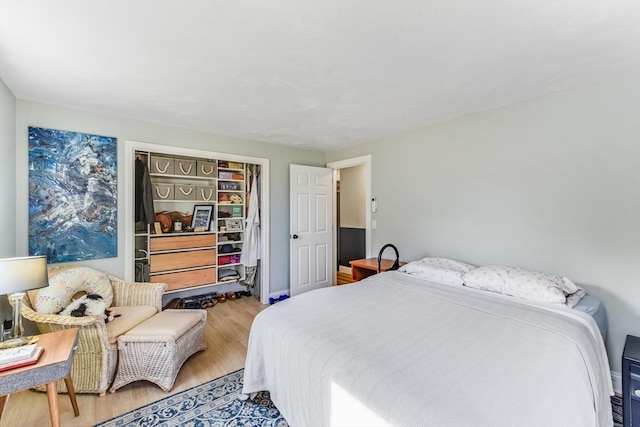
(214, 403)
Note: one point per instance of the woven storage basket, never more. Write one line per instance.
(206, 169)
(184, 167)
(185, 192)
(161, 165)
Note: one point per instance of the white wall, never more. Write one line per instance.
(42, 115)
(7, 182)
(551, 184)
(7, 171)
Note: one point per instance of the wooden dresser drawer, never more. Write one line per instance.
(180, 260)
(170, 243)
(186, 279)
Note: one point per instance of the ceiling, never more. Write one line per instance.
(313, 74)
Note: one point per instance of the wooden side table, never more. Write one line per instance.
(362, 268)
(54, 364)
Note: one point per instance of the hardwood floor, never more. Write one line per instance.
(226, 335)
(344, 278)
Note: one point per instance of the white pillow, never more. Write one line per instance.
(524, 284)
(64, 282)
(439, 270)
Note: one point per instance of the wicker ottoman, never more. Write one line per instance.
(156, 349)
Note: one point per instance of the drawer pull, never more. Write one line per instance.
(206, 198)
(637, 392)
(160, 195)
(160, 169)
(188, 171)
(204, 172)
(186, 193)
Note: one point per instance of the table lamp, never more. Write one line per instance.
(17, 276)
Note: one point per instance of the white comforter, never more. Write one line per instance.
(396, 350)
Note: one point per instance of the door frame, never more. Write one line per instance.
(342, 164)
(129, 173)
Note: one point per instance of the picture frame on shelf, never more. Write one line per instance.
(233, 224)
(202, 217)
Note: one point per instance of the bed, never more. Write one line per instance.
(396, 349)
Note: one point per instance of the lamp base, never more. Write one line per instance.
(18, 342)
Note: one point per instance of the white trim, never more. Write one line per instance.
(616, 379)
(129, 155)
(341, 164)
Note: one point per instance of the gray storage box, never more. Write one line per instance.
(206, 169)
(163, 192)
(185, 167)
(161, 165)
(185, 191)
(206, 193)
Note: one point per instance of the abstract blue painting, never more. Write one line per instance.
(72, 195)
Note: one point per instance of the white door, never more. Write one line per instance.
(311, 222)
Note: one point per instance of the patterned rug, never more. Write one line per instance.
(616, 407)
(214, 403)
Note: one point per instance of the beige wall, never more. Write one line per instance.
(551, 184)
(352, 197)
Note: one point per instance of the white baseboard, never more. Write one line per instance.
(616, 379)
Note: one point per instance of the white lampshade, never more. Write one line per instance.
(23, 274)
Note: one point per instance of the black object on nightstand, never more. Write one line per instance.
(631, 382)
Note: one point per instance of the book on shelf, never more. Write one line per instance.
(16, 353)
(23, 362)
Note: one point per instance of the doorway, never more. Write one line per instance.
(352, 216)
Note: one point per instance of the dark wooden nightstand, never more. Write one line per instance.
(631, 382)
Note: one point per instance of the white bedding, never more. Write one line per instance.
(396, 350)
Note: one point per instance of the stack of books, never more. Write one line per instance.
(17, 357)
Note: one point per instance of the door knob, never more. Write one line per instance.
(295, 236)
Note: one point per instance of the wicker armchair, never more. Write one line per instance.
(95, 360)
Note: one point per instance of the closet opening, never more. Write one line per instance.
(196, 220)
